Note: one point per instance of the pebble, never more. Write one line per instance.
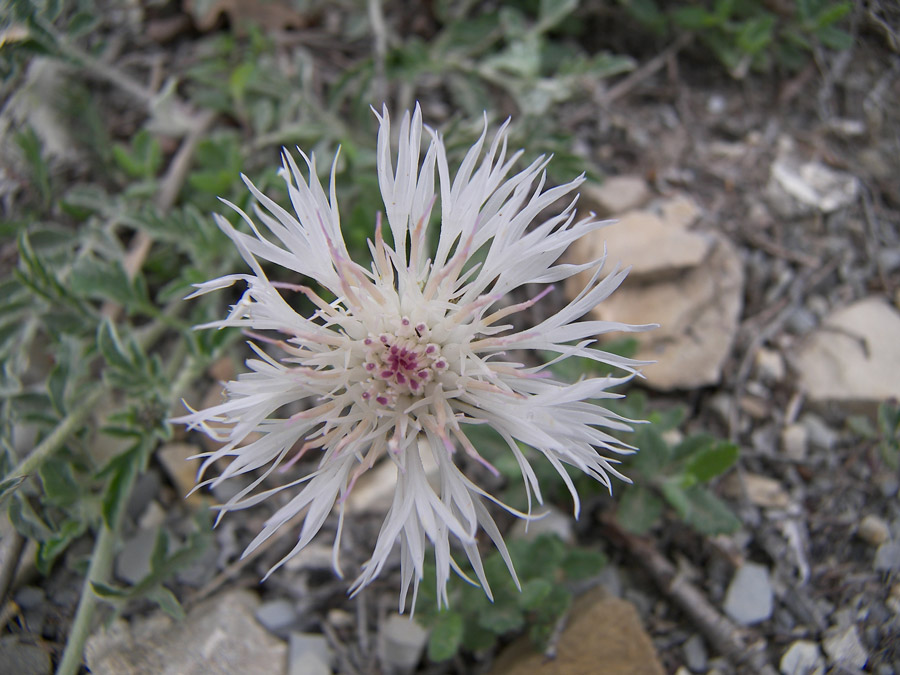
(749, 599)
(695, 655)
(181, 471)
(617, 194)
(873, 530)
(309, 654)
(887, 557)
(795, 442)
(802, 658)
(844, 649)
(401, 642)
(277, 617)
(769, 365)
(821, 436)
(557, 521)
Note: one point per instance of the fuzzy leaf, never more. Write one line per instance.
(639, 509)
(700, 508)
(711, 462)
(446, 636)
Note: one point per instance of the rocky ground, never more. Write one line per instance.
(763, 222)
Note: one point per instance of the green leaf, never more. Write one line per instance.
(712, 461)
(555, 605)
(50, 549)
(653, 454)
(639, 509)
(693, 18)
(581, 563)
(167, 602)
(122, 470)
(446, 636)
(108, 592)
(30, 145)
(830, 15)
(889, 419)
(9, 486)
(500, 618)
(97, 279)
(534, 592)
(700, 508)
(26, 520)
(60, 486)
(692, 445)
(756, 34)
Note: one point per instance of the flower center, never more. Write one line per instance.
(400, 363)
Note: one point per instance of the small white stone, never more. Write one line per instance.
(277, 616)
(401, 642)
(873, 530)
(749, 599)
(802, 658)
(309, 654)
(616, 194)
(794, 441)
(769, 365)
(844, 649)
(556, 522)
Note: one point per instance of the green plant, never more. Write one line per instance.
(675, 475)
(545, 567)
(747, 34)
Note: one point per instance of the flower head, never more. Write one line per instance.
(413, 352)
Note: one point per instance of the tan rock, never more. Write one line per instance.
(604, 634)
(615, 195)
(181, 470)
(652, 247)
(761, 490)
(220, 635)
(854, 358)
(698, 314)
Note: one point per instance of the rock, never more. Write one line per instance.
(401, 642)
(769, 365)
(309, 654)
(799, 188)
(695, 655)
(794, 442)
(853, 357)
(698, 315)
(761, 490)
(219, 635)
(277, 616)
(23, 658)
(802, 658)
(655, 249)
(749, 599)
(181, 470)
(374, 491)
(615, 195)
(873, 530)
(887, 557)
(821, 436)
(601, 630)
(133, 561)
(557, 522)
(844, 649)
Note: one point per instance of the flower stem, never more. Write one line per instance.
(98, 572)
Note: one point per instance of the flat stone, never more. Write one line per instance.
(615, 195)
(844, 649)
(802, 658)
(749, 599)
(181, 470)
(219, 635)
(698, 315)
(654, 248)
(601, 631)
(873, 530)
(695, 655)
(277, 616)
(309, 654)
(854, 357)
(23, 658)
(401, 643)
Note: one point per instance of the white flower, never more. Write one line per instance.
(411, 353)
